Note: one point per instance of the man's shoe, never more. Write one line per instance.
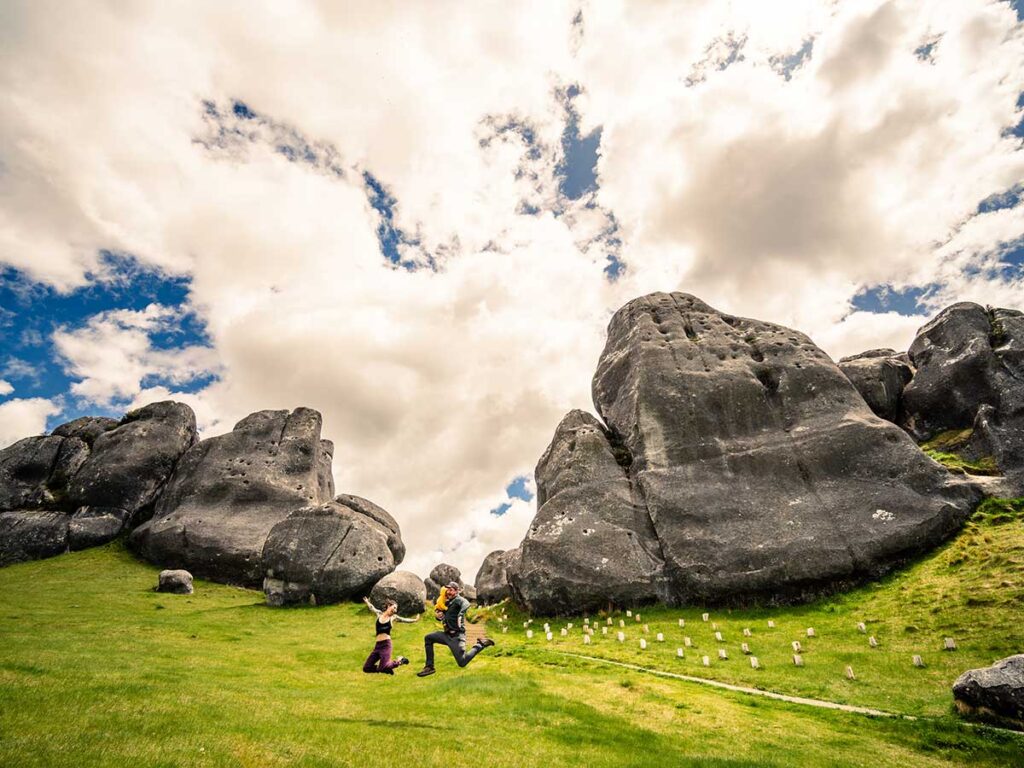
(402, 661)
(485, 642)
(425, 672)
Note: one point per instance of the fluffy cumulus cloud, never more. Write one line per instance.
(367, 204)
(22, 417)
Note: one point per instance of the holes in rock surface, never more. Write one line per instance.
(769, 379)
(891, 437)
(688, 330)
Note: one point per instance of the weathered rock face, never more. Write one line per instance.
(970, 375)
(130, 463)
(175, 582)
(996, 691)
(880, 376)
(92, 477)
(591, 542)
(742, 461)
(328, 553)
(492, 580)
(404, 588)
(440, 575)
(229, 491)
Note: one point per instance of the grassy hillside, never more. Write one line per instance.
(96, 669)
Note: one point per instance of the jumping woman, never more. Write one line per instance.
(380, 659)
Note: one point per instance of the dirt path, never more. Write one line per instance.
(820, 703)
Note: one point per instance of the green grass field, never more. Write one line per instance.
(97, 669)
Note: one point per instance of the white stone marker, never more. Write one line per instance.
(798, 660)
(547, 627)
(504, 630)
(722, 654)
(796, 646)
(586, 621)
(718, 636)
(604, 630)
(754, 663)
(629, 613)
(637, 617)
(714, 626)
(529, 634)
(643, 644)
(862, 628)
(705, 661)
(660, 637)
(550, 637)
(771, 624)
(745, 648)
(918, 661)
(647, 628)
(810, 631)
(949, 644)
(746, 631)
(622, 623)
(609, 621)
(622, 637)
(526, 624)
(563, 633)
(872, 642)
(568, 626)
(682, 622)
(704, 616)
(687, 642)
(586, 639)
(849, 673)
(679, 652)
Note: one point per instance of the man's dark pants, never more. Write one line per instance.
(456, 644)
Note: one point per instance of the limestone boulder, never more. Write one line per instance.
(325, 553)
(176, 582)
(492, 580)
(227, 493)
(405, 588)
(880, 376)
(35, 472)
(995, 692)
(32, 534)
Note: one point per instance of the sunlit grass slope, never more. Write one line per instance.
(97, 669)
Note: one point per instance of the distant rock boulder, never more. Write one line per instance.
(404, 588)
(880, 376)
(969, 375)
(177, 582)
(93, 477)
(739, 464)
(327, 553)
(229, 491)
(995, 692)
(441, 575)
(491, 581)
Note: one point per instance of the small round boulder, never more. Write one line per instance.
(404, 588)
(176, 582)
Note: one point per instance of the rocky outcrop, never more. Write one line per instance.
(229, 491)
(492, 580)
(880, 376)
(404, 588)
(591, 542)
(441, 575)
(327, 553)
(739, 464)
(995, 692)
(87, 481)
(969, 375)
(175, 582)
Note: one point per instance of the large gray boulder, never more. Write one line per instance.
(743, 462)
(327, 553)
(229, 491)
(591, 543)
(880, 376)
(32, 535)
(969, 375)
(492, 580)
(440, 575)
(129, 464)
(405, 588)
(83, 484)
(994, 692)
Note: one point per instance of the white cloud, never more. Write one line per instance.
(24, 417)
(768, 197)
(5, 388)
